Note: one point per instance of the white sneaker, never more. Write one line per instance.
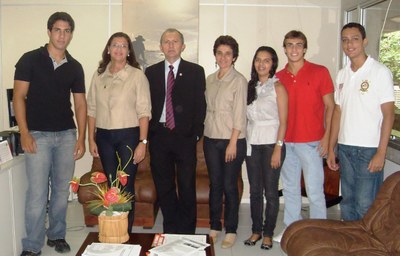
(278, 237)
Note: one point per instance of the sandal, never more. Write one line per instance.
(251, 241)
(267, 243)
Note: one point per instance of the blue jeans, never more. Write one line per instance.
(109, 142)
(359, 186)
(224, 182)
(303, 157)
(53, 164)
(263, 178)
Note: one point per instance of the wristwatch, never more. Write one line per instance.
(143, 141)
(279, 143)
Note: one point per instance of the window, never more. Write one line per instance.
(352, 15)
(382, 23)
(381, 19)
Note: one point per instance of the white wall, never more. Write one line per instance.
(24, 28)
(252, 22)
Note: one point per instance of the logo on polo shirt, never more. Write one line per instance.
(364, 86)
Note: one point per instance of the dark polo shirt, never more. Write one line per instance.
(48, 104)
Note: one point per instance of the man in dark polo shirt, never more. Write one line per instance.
(43, 82)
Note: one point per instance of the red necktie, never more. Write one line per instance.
(170, 121)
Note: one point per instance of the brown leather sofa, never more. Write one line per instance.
(378, 233)
(146, 206)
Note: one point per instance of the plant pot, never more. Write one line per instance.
(113, 229)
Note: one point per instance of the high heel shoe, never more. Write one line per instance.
(252, 242)
(266, 245)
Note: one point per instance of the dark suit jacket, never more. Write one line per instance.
(188, 97)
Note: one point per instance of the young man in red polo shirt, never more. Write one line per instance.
(311, 104)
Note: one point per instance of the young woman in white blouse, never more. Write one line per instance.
(267, 107)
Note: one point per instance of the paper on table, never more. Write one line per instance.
(176, 245)
(5, 152)
(103, 249)
(160, 239)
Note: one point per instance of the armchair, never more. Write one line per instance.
(378, 233)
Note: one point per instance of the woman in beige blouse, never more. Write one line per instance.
(119, 110)
(224, 142)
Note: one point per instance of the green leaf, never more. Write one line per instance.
(122, 207)
(389, 49)
(115, 207)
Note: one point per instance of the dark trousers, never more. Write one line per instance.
(223, 182)
(173, 166)
(109, 142)
(263, 178)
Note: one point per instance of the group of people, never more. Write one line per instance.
(282, 122)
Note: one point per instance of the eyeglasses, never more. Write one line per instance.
(119, 46)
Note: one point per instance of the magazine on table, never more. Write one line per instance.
(105, 249)
(177, 245)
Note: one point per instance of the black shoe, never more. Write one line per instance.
(250, 242)
(61, 245)
(29, 253)
(266, 246)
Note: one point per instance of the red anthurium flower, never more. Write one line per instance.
(74, 184)
(122, 177)
(106, 203)
(107, 198)
(98, 177)
(112, 195)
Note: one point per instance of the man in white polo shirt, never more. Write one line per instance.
(361, 123)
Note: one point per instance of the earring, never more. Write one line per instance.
(108, 52)
(215, 64)
(128, 54)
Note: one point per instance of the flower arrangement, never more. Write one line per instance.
(109, 199)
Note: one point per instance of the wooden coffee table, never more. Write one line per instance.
(144, 239)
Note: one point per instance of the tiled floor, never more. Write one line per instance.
(77, 232)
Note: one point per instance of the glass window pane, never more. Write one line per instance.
(382, 24)
(352, 16)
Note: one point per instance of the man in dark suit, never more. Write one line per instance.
(175, 127)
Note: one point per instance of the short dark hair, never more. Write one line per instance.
(295, 34)
(60, 16)
(231, 42)
(357, 26)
